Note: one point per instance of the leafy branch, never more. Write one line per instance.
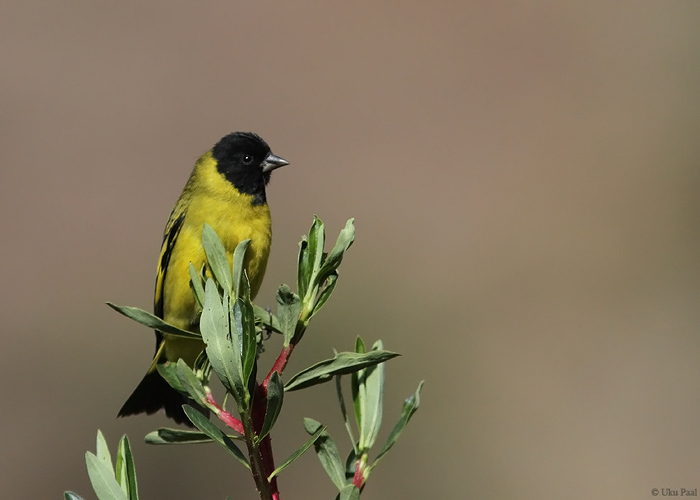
(233, 330)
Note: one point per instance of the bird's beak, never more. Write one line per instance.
(271, 162)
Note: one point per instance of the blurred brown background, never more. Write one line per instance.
(525, 181)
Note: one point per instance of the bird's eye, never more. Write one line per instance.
(247, 159)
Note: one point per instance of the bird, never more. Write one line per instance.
(227, 191)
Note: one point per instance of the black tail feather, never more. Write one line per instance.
(153, 394)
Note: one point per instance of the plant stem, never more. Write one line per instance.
(256, 463)
(261, 458)
(265, 446)
(280, 364)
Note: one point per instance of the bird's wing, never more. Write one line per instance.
(171, 232)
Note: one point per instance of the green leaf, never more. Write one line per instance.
(191, 384)
(314, 257)
(243, 327)
(102, 479)
(275, 397)
(214, 324)
(69, 495)
(266, 318)
(250, 343)
(371, 400)
(288, 309)
(238, 266)
(342, 364)
(343, 410)
(244, 292)
(351, 462)
(317, 239)
(176, 436)
(169, 372)
(207, 427)
(335, 257)
(410, 406)
(326, 291)
(151, 321)
(126, 471)
(296, 454)
(327, 453)
(349, 492)
(303, 267)
(196, 285)
(102, 450)
(355, 385)
(216, 257)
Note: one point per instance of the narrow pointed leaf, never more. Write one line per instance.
(343, 410)
(303, 267)
(296, 454)
(288, 309)
(216, 257)
(250, 343)
(102, 450)
(214, 325)
(176, 436)
(126, 471)
(207, 427)
(102, 479)
(238, 265)
(317, 238)
(275, 397)
(69, 495)
(326, 292)
(327, 453)
(335, 256)
(242, 396)
(243, 328)
(357, 389)
(152, 321)
(196, 285)
(410, 406)
(342, 364)
(372, 380)
(190, 382)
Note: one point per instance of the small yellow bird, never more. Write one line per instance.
(227, 191)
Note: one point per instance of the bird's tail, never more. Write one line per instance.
(152, 394)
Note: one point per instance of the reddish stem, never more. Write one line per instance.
(259, 409)
(226, 417)
(265, 446)
(280, 364)
(269, 463)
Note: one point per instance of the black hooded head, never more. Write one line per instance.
(246, 161)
